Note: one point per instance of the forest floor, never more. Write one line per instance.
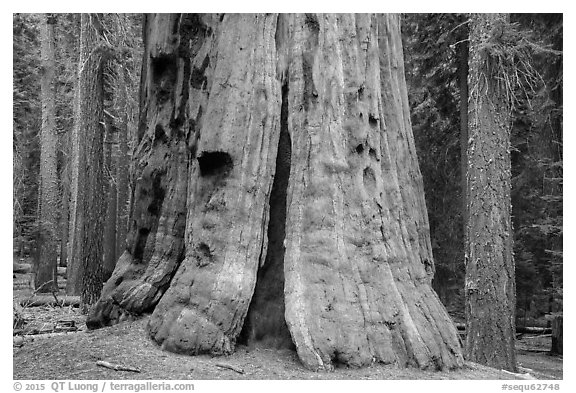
(74, 355)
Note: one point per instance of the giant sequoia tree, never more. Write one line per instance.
(278, 196)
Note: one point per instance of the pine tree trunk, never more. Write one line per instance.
(490, 278)
(65, 211)
(47, 247)
(278, 194)
(557, 335)
(87, 202)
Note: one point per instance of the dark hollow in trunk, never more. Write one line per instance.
(214, 163)
(265, 323)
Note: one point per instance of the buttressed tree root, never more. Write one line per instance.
(281, 203)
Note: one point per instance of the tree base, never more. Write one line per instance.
(305, 223)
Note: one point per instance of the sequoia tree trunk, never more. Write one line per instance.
(87, 188)
(490, 279)
(462, 53)
(278, 196)
(46, 256)
(122, 163)
(109, 234)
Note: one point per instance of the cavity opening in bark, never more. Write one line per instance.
(265, 323)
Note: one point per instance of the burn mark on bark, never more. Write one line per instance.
(204, 254)
(372, 120)
(158, 193)
(265, 321)
(150, 195)
(429, 267)
(369, 180)
(164, 73)
(373, 155)
(191, 29)
(159, 134)
(214, 163)
(198, 79)
(140, 243)
(194, 132)
(312, 22)
(361, 94)
(193, 33)
(310, 93)
(179, 118)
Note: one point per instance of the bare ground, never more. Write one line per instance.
(74, 356)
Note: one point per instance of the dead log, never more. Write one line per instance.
(533, 330)
(26, 268)
(533, 350)
(538, 336)
(519, 329)
(50, 300)
(35, 334)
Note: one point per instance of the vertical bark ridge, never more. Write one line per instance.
(414, 219)
(155, 242)
(370, 140)
(490, 276)
(205, 307)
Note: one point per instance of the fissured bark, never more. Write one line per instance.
(490, 279)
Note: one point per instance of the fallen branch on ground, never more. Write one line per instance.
(230, 367)
(534, 350)
(525, 370)
(116, 367)
(49, 300)
(538, 336)
(521, 376)
(40, 334)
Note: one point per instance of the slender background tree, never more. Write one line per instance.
(87, 204)
(434, 48)
(47, 243)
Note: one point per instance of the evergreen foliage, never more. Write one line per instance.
(26, 123)
(430, 42)
(528, 53)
